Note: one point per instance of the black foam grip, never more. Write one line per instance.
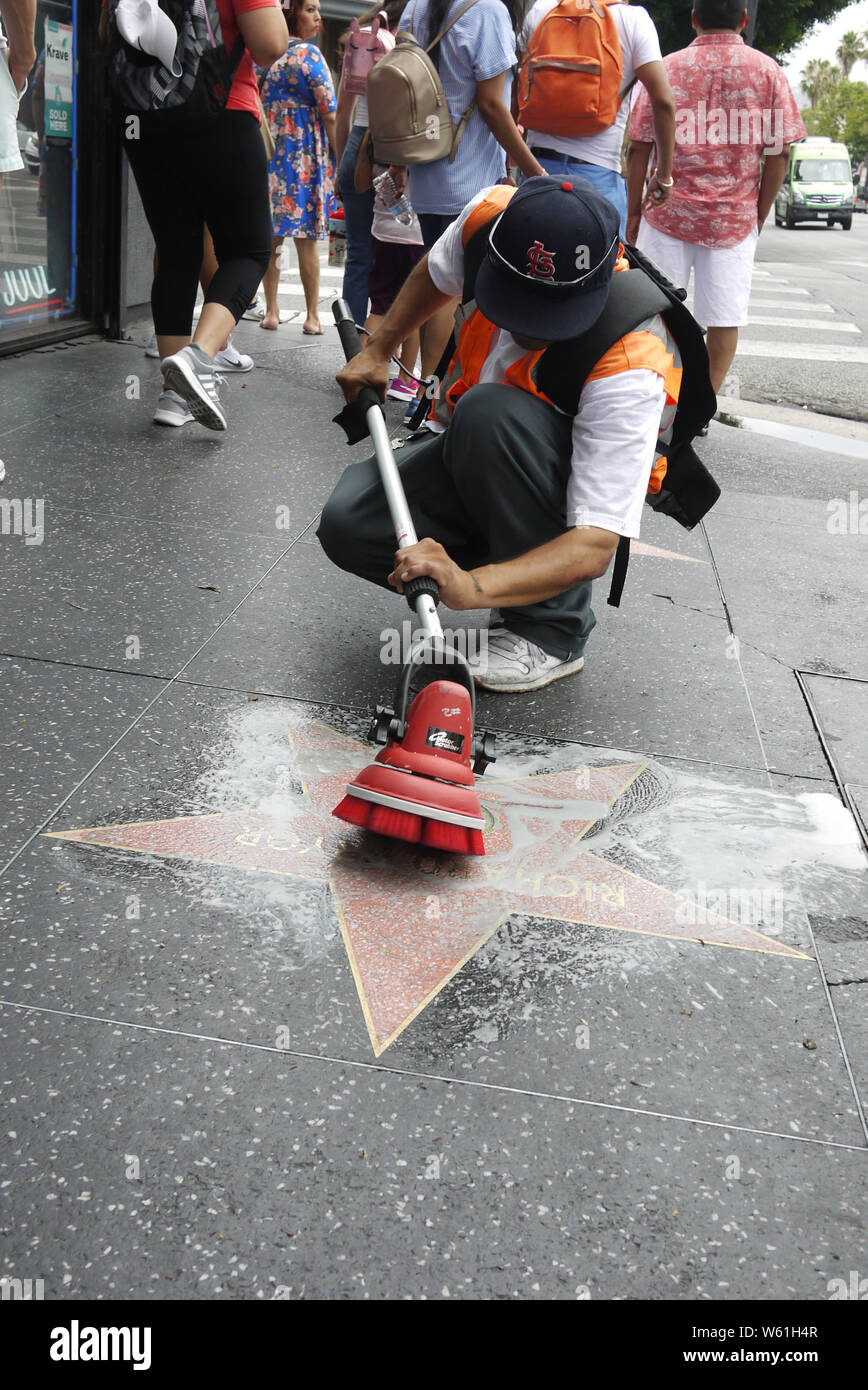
(366, 398)
(353, 419)
(349, 336)
(346, 326)
(424, 584)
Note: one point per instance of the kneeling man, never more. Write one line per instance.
(527, 475)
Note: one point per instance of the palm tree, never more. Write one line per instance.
(851, 48)
(819, 78)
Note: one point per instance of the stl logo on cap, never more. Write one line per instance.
(540, 262)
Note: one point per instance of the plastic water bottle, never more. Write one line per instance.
(397, 205)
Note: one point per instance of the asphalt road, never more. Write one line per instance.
(805, 344)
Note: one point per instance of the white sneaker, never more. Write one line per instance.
(171, 410)
(151, 349)
(511, 663)
(254, 310)
(191, 373)
(229, 359)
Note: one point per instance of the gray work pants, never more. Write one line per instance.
(489, 489)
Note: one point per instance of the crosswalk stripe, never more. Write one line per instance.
(778, 288)
(786, 306)
(819, 269)
(806, 352)
(816, 325)
(326, 272)
(801, 308)
(290, 299)
(773, 267)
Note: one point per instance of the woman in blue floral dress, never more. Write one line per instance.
(299, 100)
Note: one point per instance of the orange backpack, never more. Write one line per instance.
(569, 82)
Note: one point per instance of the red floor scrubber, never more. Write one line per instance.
(420, 787)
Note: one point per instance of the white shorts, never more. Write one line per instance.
(10, 155)
(721, 286)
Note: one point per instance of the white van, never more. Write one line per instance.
(818, 186)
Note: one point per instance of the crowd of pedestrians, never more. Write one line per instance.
(292, 139)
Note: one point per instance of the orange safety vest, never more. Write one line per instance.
(651, 346)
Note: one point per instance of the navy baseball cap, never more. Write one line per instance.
(549, 259)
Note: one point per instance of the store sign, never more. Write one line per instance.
(26, 295)
(58, 79)
(24, 286)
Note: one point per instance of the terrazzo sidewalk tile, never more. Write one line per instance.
(156, 1167)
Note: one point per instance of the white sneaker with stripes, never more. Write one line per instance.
(192, 373)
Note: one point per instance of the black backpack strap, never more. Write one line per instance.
(619, 571)
(637, 260)
(423, 402)
(474, 252)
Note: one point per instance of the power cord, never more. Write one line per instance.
(426, 381)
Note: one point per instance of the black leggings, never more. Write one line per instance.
(219, 178)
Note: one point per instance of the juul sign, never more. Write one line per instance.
(24, 286)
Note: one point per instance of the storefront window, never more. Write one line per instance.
(37, 203)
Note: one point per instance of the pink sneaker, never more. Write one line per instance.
(401, 390)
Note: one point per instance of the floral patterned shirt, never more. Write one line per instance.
(732, 103)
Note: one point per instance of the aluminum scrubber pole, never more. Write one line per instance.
(422, 594)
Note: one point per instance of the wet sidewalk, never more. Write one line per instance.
(253, 1052)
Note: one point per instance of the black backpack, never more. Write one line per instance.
(156, 102)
